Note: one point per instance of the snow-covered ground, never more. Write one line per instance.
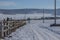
(36, 30)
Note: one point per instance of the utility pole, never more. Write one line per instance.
(55, 10)
(43, 15)
(25, 15)
(55, 24)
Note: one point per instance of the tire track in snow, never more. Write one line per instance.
(53, 32)
(38, 36)
(41, 35)
(45, 34)
(49, 35)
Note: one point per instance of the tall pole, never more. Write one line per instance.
(25, 15)
(55, 10)
(43, 15)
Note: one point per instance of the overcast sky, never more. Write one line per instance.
(21, 4)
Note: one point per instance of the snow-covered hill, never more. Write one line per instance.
(23, 16)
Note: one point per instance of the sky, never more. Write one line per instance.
(21, 4)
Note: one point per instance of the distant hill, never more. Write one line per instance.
(27, 11)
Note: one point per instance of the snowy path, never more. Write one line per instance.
(44, 34)
(34, 31)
